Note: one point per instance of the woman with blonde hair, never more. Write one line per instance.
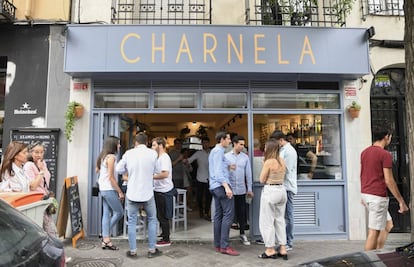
(273, 202)
(37, 172)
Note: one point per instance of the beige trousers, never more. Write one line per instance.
(272, 215)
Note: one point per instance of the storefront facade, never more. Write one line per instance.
(298, 80)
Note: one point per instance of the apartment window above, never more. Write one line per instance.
(161, 12)
(317, 13)
(383, 7)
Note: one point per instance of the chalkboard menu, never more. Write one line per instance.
(72, 192)
(50, 139)
(70, 204)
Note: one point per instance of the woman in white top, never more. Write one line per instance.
(13, 178)
(111, 194)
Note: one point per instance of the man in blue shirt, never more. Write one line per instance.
(222, 193)
(241, 182)
(288, 153)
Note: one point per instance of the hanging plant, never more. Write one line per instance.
(74, 111)
(354, 109)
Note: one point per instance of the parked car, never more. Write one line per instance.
(24, 243)
(402, 256)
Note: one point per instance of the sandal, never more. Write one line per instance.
(265, 256)
(109, 245)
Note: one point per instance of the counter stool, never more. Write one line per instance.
(180, 209)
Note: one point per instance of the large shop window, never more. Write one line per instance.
(295, 101)
(316, 138)
(225, 100)
(175, 100)
(121, 100)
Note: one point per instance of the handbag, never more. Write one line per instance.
(95, 190)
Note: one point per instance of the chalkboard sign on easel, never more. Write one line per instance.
(70, 204)
(50, 139)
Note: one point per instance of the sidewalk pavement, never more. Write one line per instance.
(198, 253)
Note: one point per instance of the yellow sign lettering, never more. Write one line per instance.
(158, 48)
(237, 50)
(210, 51)
(184, 48)
(258, 48)
(307, 50)
(124, 40)
(279, 51)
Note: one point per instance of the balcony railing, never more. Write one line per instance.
(161, 12)
(7, 11)
(383, 7)
(322, 13)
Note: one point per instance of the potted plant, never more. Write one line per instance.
(74, 111)
(354, 109)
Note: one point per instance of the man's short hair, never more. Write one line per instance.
(379, 133)
(237, 138)
(221, 135)
(160, 141)
(141, 138)
(277, 135)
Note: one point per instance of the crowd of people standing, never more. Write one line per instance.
(223, 174)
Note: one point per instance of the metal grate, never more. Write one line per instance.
(161, 12)
(322, 13)
(383, 7)
(304, 206)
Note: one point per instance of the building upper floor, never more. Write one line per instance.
(35, 11)
(386, 16)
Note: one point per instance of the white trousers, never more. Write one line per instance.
(272, 215)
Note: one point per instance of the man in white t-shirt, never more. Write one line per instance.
(164, 190)
(139, 163)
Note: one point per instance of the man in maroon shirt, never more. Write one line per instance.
(376, 176)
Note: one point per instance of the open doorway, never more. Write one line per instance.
(190, 128)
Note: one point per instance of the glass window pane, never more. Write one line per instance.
(315, 137)
(225, 100)
(121, 100)
(175, 100)
(295, 101)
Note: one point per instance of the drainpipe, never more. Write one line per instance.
(28, 10)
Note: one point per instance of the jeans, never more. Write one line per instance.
(289, 218)
(111, 204)
(133, 208)
(223, 217)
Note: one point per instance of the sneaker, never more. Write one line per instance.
(132, 255)
(289, 248)
(259, 242)
(163, 243)
(230, 251)
(234, 226)
(244, 240)
(154, 254)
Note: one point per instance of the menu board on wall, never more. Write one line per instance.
(50, 139)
